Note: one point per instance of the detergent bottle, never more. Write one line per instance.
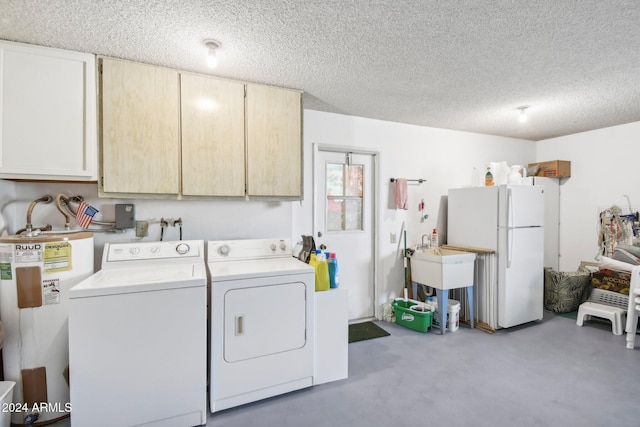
(322, 272)
(333, 271)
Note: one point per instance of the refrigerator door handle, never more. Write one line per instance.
(509, 246)
(509, 208)
(509, 227)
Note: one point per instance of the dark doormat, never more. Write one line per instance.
(365, 331)
(570, 315)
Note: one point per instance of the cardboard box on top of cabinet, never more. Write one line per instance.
(553, 168)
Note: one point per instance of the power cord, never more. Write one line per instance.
(163, 224)
(179, 223)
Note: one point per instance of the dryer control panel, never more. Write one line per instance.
(117, 252)
(228, 250)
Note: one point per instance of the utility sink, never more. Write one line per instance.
(442, 268)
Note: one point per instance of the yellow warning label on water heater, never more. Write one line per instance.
(57, 257)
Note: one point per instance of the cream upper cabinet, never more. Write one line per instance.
(213, 159)
(178, 134)
(274, 145)
(140, 128)
(47, 114)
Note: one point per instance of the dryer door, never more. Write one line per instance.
(264, 320)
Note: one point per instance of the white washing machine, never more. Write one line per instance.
(262, 332)
(137, 337)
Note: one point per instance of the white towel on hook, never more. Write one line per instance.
(401, 194)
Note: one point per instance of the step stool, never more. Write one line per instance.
(614, 314)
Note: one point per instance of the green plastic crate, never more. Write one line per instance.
(416, 320)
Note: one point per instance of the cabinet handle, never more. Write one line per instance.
(239, 325)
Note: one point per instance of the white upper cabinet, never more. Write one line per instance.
(47, 114)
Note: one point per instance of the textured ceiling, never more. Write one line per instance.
(455, 64)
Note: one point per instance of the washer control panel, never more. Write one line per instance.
(228, 250)
(114, 252)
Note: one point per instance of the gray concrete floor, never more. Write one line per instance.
(548, 373)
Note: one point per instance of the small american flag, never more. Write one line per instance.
(85, 214)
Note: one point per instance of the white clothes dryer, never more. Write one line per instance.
(262, 332)
(137, 337)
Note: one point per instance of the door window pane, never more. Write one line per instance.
(344, 197)
(353, 215)
(353, 180)
(335, 179)
(335, 213)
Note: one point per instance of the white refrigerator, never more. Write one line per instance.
(508, 219)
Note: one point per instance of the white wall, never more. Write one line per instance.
(604, 168)
(444, 158)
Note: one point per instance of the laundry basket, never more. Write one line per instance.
(602, 296)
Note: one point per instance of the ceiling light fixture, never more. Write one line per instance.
(212, 59)
(522, 117)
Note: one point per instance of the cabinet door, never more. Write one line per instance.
(140, 128)
(47, 113)
(274, 141)
(213, 162)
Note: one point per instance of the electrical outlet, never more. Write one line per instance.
(142, 228)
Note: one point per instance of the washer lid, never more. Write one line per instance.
(140, 279)
(246, 269)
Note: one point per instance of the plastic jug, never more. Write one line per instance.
(516, 175)
(489, 176)
(322, 271)
(333, 271)
(499, 172)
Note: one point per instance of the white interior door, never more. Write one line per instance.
(344, 223)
